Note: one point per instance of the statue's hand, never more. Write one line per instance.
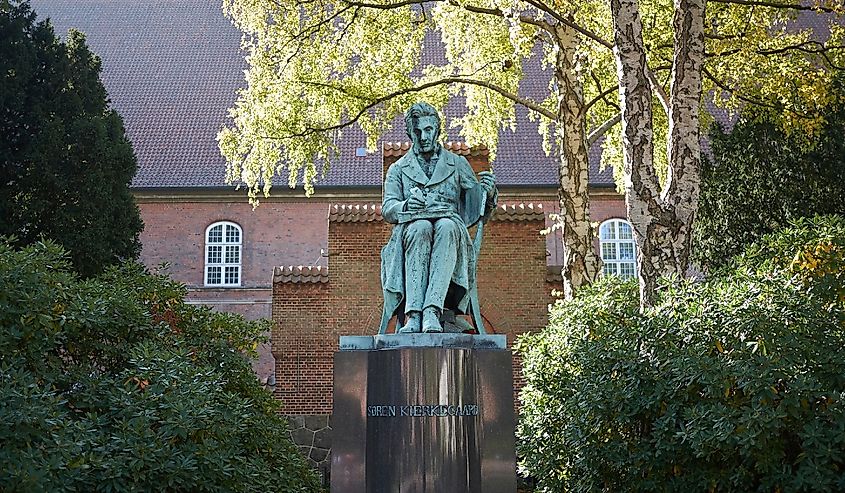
(487, 180)
(416, 202)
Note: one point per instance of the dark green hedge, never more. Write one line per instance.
(115, 384)
(733, 384)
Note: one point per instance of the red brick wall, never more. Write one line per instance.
(293, 232)
(276, 233)
(309, 318)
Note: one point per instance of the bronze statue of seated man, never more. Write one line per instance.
(432, 196)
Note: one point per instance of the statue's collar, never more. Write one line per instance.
(444, 167)
(435, 156)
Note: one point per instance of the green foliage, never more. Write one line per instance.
(760, 179)
(115, 384)
(317, 67)
(733, 384)
(65, 163)
(810, 250)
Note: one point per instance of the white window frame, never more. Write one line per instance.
(223, 262)
(611, 242)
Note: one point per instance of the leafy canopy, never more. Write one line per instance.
(65, 162)
(317, 67)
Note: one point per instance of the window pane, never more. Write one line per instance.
(608, 232)
(214, 254)
(609, 269)
(608, 251)
(626, 251)
(232, 234)
(213, 275)
(625, 232)
(215, 234)
(233, 254)
(232, 275)
(627, 270)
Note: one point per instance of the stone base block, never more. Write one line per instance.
(423, 420)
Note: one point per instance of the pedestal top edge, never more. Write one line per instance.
(396, 341)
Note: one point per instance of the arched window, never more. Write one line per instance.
(223, 242)
(618, 250)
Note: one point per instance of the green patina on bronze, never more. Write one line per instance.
(433, 197)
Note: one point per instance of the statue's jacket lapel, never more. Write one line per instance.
(411, 168)
(444, 168)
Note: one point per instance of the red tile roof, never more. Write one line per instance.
(354, 213)
(519, 212)
(357, 213)
(172, 68)
(399, 149)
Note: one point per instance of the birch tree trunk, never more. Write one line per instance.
(580, 263)
(683, 183)
(662, 221)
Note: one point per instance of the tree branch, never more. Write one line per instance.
(531, 105)
(600, 97)
(385, 6)
(470, 8)
(758, 102)
(658, 89)
(570, 23)
(820, 49)
(776, 5)
(498, 12)
(602, 129)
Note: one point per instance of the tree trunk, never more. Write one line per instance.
(580, 263)
(683, 181)
(661, 221)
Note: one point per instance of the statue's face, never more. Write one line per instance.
(425, 133)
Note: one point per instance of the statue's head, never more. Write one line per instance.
(423, 126)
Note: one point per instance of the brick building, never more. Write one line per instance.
(172, 69)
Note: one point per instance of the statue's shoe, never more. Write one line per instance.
(431, 321)
(413, 324)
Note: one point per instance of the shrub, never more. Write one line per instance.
(733, 384)
(115, 384)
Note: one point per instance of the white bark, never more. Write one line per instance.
(661, 220)
(580, 263)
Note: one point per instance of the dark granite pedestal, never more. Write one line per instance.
(423, 414)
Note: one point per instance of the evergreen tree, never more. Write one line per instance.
(760, 178)
(65, 162)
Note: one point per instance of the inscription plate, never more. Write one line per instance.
(441, 410)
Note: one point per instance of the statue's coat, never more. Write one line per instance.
(455, 184)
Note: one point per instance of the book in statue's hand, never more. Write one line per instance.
(427, 213)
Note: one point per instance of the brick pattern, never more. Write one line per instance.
(308, 318)
(274, 234)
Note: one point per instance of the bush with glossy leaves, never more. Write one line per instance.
(115, 384)
(732, 384)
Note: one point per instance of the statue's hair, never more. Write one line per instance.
(417, 111)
